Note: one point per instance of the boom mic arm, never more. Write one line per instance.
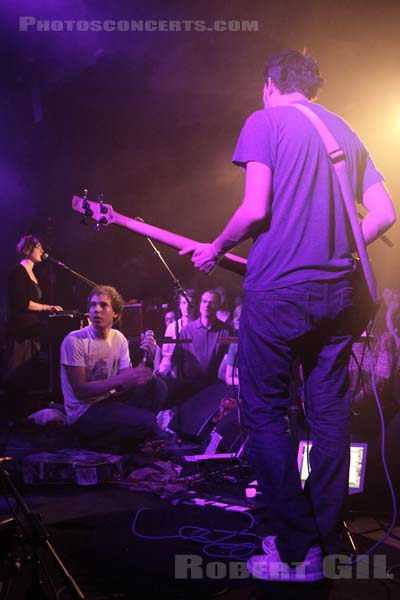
(64, 266)
(48, 258)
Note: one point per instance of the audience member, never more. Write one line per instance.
(202, 356)
(106, 400)
(224, 312)
(188, 312)
(393, 317)
(231, 374)
(377, 352)
(169, 317)
(231, 351)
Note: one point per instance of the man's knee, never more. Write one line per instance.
(160, 393)
(145, 421)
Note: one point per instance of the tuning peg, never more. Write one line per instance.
(103, 221)
(103, 209)
(85, 203)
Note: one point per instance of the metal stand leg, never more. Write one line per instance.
(350, 537)
(39, 539)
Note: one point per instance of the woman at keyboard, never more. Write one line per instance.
(25, 328)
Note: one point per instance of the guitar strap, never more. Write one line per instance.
(338, 159)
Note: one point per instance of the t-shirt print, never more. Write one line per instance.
(98, 369)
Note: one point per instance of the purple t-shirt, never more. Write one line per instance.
(307, 236)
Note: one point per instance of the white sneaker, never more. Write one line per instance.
(270, 567)
(164, 418)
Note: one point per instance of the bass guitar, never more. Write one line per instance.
(105, 215)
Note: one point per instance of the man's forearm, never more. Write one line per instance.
(241, 226)
(245, 222)
(90, 389)
(381, 213)
(373, 228)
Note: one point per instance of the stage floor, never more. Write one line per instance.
(123, 544)
(118, 543)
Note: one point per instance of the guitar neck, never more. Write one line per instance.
(233, 263)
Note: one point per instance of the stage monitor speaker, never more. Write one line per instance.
(231, 430)
(197, 413)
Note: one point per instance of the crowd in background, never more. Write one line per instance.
(199, 347)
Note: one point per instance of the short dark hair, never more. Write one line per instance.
(26, 245)
(117, 302)
(292, 71)
(214, 292)
(192, 293)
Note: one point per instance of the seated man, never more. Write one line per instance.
(104, 396)
(196, 362)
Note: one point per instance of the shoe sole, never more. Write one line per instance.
(259, 572)
(313, 552)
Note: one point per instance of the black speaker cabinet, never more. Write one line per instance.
(198, 411)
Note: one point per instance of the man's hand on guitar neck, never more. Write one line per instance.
(204, 256)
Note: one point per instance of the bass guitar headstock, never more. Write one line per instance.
(100, 212)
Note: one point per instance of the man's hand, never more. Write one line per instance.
(139, 375)
(244, 223)
(204, 256)
(149, 345)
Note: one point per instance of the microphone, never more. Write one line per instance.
(45, 256)
(147, 358)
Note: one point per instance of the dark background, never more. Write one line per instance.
(150, 119)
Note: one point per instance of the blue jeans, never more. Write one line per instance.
(309, 321)
(123, 422)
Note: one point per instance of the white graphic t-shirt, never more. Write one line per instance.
(101, 358)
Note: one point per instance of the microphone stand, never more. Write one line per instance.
(179, 290)
(75, 273)
(38, 538)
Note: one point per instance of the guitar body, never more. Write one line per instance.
(364, 307)
(104, 214)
